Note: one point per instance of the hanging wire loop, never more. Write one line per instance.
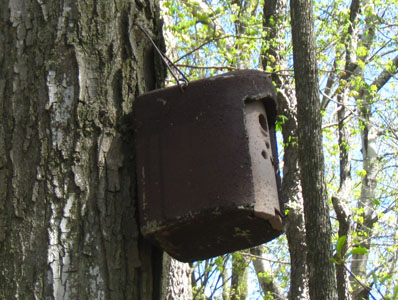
(182, 81)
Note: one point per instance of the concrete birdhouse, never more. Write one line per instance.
(207, 165)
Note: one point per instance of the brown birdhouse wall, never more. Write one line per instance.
(207, 165)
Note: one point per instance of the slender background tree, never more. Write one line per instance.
(350, 66)
(310, 154)
(69, 73)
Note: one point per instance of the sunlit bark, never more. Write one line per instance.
(176, 282)
(311, 161)
(69, 73)
(274, 19)
(265, 276)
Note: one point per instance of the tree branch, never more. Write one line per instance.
(386, 75)
(265, 277)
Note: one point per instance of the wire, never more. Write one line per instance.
(169, 64)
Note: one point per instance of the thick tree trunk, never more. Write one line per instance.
(317, 223)
(68, 223)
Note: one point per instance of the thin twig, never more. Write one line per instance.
(367, 288)
(207, 67)
(229, 68)
(337, 123)
(391, 130)
(263, 258)
(212, 40)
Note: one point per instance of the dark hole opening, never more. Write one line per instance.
(264, 154)
(263, 122)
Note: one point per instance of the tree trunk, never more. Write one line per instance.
(341, 200)
(316, 211)
(176, 282)
(69, 73)
(269, 284)
(274, 19)
(368, 195)
(240, 268)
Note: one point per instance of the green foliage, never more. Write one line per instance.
(359, 250)
(340, 243)
(268, 296)
(211, 37)
(280, 120)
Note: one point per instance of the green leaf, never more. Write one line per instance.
(361, 173)
(332, 259)
(340, 243)
(281, 119)
(362, 51)
(359, 250)
(395, 295)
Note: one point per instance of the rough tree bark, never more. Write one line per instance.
(274, 19)
(69, 72)
(311, 161)
(176, 282)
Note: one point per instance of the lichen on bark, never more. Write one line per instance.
(69, 74)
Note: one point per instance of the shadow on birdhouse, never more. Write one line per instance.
(207, 165)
